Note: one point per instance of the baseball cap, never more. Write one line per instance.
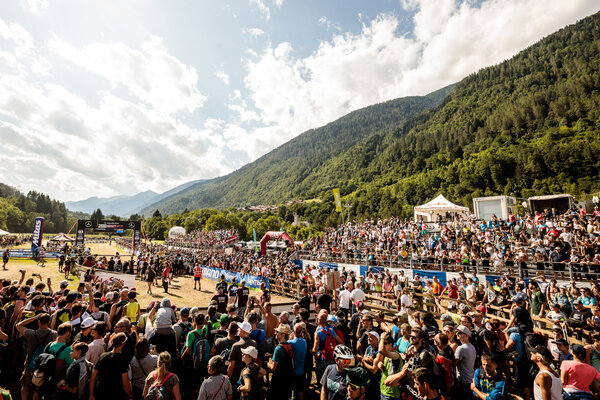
(64, 284)
(224, 319)
(89, 321)
(251, 351)
(332, 318)
(464, 329)
(481, 308)
(184, 311)
(561, 341)
(283, 328)
(109, 296)
(373, 333)
(246, 327)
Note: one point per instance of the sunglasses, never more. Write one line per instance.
(352, 386)
(414, 337)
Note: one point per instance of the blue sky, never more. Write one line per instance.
(99, 98)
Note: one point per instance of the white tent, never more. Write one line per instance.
(176, 231)
(4, 233)
(61, 237)
(429, 212)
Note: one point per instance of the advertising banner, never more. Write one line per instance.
(327, 265)
(428, 276)
(215, 274)
(112, 279)
(24, 253)
(38, 233)
(364, 269)
(337, 200)
(297, 263)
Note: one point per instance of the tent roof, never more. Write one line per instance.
(61, 237)
(4, 233)
(550, 197)
(440, 203)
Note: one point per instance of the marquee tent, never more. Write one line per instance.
(176, 231)
(4, 233)
(61, 237)
(440, 206)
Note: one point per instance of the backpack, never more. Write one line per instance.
(38, 350)
(200, 352)
(290, 357)
(326, 352)
(158, 392)
(225, 356)
(118, 312)
(185, 329)
(45, 366)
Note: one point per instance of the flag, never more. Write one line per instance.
(38, 233)
(254, 234)
(337, 199)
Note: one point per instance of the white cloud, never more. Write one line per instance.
(254, 32)
(330, 25)
(34, 6)
(150, 73)
(451, 40)
(262, 7)
(223, 76)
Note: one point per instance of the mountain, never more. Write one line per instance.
(280, 174)
(124, 206)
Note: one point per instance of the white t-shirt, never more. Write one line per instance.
(405, 302)
(358, 295)
(345, 297)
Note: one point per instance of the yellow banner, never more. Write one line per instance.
(337, 199)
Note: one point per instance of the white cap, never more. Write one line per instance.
(89, 321)
(464, 329)
(251, 351)
(373, 333)
(246, 327)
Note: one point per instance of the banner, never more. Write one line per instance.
(327, 265)
(428, 276)
(337, 200)
(112, 279)
(364, 269)
(298, 263)
(214, 274)
(254, 234)
(38, 233)
(231, 239)
(24, 253)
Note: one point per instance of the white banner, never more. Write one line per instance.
(114, 279)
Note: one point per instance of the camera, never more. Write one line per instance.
(22, 271)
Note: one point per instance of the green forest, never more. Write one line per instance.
(17, 211)
(527, 126)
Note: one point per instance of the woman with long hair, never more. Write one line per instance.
(162, 379)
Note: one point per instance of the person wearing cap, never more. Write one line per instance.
(546, 384)
(579, 317)
(250, 384)
(333, 382)
(85, 334)
(182, 328)
(577, 376)
(465, 356)
(357, 380)
(520, 317)
(220, 331)
(488, 383)
(236, 363)
(282, 364)
(562, 347)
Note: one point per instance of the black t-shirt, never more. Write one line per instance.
(222, 286)
(523, 319)
(324, 301)
(242, 294)
(110, 367)
(305, 302)
(221, 299)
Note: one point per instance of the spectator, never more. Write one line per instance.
(251, 375)
(282, 364)
(357, 380)
(333, 382)
(140, 366)
(300, 350)
(577, 376)
(465, 364)
(488, 384)
(217, 386)
(76, 382)
(109, 379)
(236, 363)
(547, 384)
(162, 376)
(96, 348)
(426, 384)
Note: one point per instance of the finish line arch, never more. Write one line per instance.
(107, 226)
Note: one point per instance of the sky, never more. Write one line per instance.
(104, 98)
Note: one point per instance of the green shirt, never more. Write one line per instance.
(64, 355)
(387, 370)
(193, 335)
(537, 298)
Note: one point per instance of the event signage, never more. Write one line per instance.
(215, 274)
(337, 200)
(24, 253)
(428, 275)
(327, 265)
(111, 279)
(365, 268)
(38, 233)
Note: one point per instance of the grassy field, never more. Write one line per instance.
(181, 292)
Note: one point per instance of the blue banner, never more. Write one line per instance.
(298, 263)
(38, 233)
(24, 253)
(252, 281)
(428, 276)
(327, 265)
(365, 268)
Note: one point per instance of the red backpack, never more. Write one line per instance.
(328, 345)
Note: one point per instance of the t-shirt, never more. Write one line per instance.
(224, 343)
(236, 356)
(324, 301)
(537, 299)
(335, 383)
(345, 297)
(523, 319)
(519, 346)
(300, 347)
(216, 387)
(169, 383)
(232, 289)
(196, 334)
(358, 295)
(110, 367)
(35, 338)
(242, 294)
(465, 355)
(305, 302)
(579, 375)
(64, 355)
(284, 364)
(221, 299)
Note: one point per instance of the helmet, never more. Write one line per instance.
(342, 352)
(357, 376)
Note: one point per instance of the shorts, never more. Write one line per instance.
(26, 378)
(197, 279)
(299, 383)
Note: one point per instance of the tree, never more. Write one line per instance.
(97, 215)
(156, 214)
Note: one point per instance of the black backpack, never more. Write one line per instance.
(45, 366)
(185, 329)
